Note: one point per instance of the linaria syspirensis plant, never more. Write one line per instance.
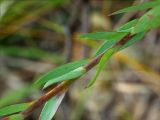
(63, 76)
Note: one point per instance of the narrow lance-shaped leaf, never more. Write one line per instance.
(15, 117)
(113, 50)
(14, 109)
(148, 21)
(68, 76)
(128, 26)
(51, 107)
(60, 71)
(125, 29)
(108, 44)
(101, 64)
(111, 38)
(107, 36)
(142, 6)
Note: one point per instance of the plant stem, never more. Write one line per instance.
(64, 85)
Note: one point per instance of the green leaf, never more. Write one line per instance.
(108, 44)
(51, 107)
(13, 109)
(148, 21)
(101, 64)
(60, 71)
(128, 26)
(113, 50)
(111, 37)
(133, 40)
(102, 35)
(142, 6)
(68, 76)
(110, 52)
(16, 117)
(124, 29)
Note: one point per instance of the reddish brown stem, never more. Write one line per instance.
(64, 85)
(93, 63)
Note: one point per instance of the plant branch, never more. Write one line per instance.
(61, 87)
(64, 85)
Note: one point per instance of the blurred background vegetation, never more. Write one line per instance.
(38, 35)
